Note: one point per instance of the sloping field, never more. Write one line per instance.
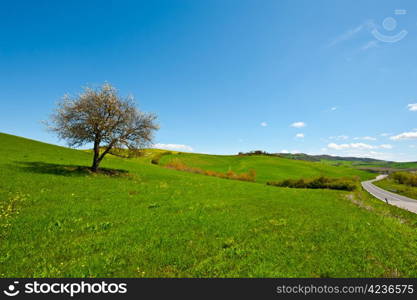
(268, 168)
(58, 220)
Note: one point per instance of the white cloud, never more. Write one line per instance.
(405, 136)
(299, 135)
(385, 134)
(339, 137)
(264, 124)
(357, 146)
(333, 108)
(346, 146)
(292, 151)
(298, 124)
(365, 138)
(175, 147)
(412, 107)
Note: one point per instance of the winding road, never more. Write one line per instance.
(390, 198)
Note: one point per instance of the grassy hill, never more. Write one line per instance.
(374, 165)
(268, 168)
(325, 157)
(359, 162)
(58, 220)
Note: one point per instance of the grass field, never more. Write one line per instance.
(395, 165)
(268, 168)
(58, 220)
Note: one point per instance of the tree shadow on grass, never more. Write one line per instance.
(66, 170)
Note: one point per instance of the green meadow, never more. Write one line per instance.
(138, 219)
(267, 167)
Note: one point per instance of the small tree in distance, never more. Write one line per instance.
(101, 117)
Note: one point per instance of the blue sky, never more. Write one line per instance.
(335, 77)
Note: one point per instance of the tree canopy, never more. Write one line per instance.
(105, 119)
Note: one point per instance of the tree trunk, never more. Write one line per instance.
(100, 158)
(96, 161)
(94, 167)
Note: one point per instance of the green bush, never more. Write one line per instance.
(126, 153)
(155, 160)
(405, 178)
(346, 184)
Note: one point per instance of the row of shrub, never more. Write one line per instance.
(255, 152)
(346, 184)
(177, 164)
(126, 153)
(405, 178)
(155, 160)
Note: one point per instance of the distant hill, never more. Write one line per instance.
(307, 157)
(303, 156)
(364, 163)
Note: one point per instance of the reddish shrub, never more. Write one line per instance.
(178, 165)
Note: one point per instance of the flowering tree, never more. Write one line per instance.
(103, 118)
